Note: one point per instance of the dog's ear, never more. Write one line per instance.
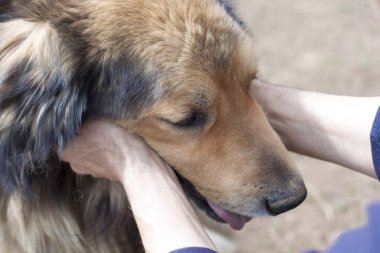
(41, 107)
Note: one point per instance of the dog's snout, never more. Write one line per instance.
(283, 201)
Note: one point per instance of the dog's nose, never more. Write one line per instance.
(283, 201)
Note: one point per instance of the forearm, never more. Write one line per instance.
(165, 219)
(327, 127)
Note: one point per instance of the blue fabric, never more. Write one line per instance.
(193, 250)
(365, 239)
(375, 143)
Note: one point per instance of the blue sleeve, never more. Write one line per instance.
(193, 250)
(375, 143)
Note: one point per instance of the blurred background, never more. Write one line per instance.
(327, 46)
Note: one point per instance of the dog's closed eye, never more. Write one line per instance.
(195, 120)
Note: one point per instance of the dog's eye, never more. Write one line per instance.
(195, 120)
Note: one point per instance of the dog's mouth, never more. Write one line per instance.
(236, 221)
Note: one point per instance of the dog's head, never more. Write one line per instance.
(175, 72)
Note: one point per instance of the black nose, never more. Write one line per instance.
(282, 202)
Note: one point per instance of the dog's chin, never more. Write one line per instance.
(236, 221)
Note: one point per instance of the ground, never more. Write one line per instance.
(327, 46)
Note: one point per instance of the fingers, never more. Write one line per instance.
(102, 149)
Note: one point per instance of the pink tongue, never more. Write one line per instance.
(236, 221)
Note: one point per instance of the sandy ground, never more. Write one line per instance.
(327, 46)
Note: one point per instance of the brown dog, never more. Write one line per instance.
(175, 72)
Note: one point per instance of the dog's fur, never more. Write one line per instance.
(176, 72)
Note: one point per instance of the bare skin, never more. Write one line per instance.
(327, 127)
(105, 150)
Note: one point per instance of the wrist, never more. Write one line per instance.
(164, 216)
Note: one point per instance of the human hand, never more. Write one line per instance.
(163, 214)
(102, 149)
(327, 127)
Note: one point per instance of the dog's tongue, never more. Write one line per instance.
(236, 221)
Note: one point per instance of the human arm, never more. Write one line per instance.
(328, 127)
(165, 219)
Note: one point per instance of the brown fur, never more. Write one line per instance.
(199, 60)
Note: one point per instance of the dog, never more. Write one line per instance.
(175, 72)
